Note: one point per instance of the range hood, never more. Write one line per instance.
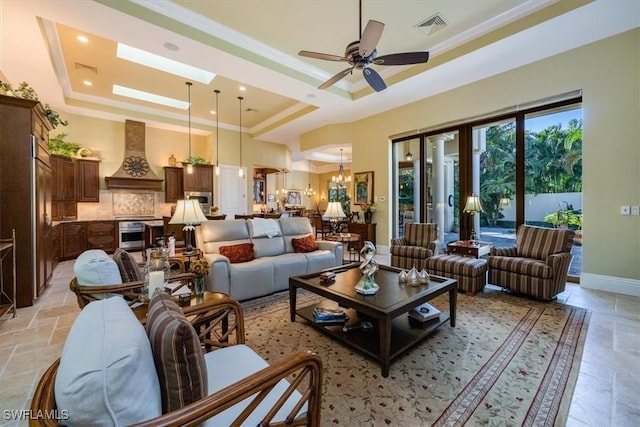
(135, 172)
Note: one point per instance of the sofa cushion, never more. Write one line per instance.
(129, 270)
(177, 354)
(94, 267)
(242, 252)
(106, 374)
(231, 364)
(260, 227)
(304, 244)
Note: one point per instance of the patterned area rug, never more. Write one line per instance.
(509, 361)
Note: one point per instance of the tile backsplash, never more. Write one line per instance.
(133, 203)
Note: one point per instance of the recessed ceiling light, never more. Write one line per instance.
(149, 97)
(87, 83)
(83, 39)
(311, 95)
(171, 46)
(161, 63)
(213, 112)
(242, 88)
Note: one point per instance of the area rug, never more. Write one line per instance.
(509, 361)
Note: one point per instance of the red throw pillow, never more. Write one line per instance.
(242, 252)
(305, 244)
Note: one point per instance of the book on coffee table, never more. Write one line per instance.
(329, 315)
(424, 312)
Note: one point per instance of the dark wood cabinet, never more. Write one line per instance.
(74, 240)
(200, 180)
(366, 231)
(63, 189)
(25, 181)
(87, 174)
(101, 235)
(56, 245)
(173, 186)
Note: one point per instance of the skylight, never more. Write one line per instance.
(161, 63)
(149, 97)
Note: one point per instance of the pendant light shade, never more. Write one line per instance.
(341, 179)
(309, 192)
(189, 165)
(240, 171)
(217, 92)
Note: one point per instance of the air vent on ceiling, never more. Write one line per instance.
(80, 66)
(431, 25)
(251, 110)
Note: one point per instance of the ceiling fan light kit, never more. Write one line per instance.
(362, 53)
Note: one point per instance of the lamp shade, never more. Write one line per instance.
(334, 210)
(473, 204)
(188, 212)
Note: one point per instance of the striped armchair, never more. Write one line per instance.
(538, 265)
(420, 242)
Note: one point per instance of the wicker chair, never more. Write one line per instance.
(420, 242)
(538, 264)
(302, 369)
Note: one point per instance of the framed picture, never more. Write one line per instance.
(335, 192)
(271, 198)
(294, 198)
(363, 187)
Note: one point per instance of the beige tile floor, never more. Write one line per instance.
(607, 392)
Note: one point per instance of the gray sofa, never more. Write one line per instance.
(275, 258)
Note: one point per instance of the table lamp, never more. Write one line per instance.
(189, 213)
(473, 206)
(334, 212)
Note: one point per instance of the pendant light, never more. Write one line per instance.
(217, 135)
(309, 192)
(240, 171)
(189, 165)
(341, 179)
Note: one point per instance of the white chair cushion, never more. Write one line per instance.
(229, 365)
(106, 374)
(95, 267)
(264, 228)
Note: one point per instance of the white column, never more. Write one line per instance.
(439, 197)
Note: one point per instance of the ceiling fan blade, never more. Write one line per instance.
(374, 79)
(317, 55)
(333, 80)
(370, 37)
(406, 58)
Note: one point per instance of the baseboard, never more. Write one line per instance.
(619, 285)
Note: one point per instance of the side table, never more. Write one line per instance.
(350, 241)
(469, 249)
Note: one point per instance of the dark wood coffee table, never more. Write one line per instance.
(387, 310)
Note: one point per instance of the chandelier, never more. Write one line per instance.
(309, 192)
(341, 179)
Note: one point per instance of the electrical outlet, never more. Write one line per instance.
(625, 210)
(635, 210)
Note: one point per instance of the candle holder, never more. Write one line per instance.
(156, 271)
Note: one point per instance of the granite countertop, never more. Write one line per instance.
(153, 222)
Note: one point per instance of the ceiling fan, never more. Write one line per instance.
(361, 54)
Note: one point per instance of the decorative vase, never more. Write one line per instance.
(199, 286)
(414, 277)
(368, 217)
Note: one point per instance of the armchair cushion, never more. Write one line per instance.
(242, 252)
(539, 243)
(420, 234)
(106, 374)
(177, 354)
(94, 267)
(129, 270)
(519, 265)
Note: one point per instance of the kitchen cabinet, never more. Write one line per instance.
(25, 184)
(177, 181)
(200, 180)
(56, 245)
(173, 185)
(74, 240)
(63, 188)
(101, 235)
(87, 174)
(366, 231)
